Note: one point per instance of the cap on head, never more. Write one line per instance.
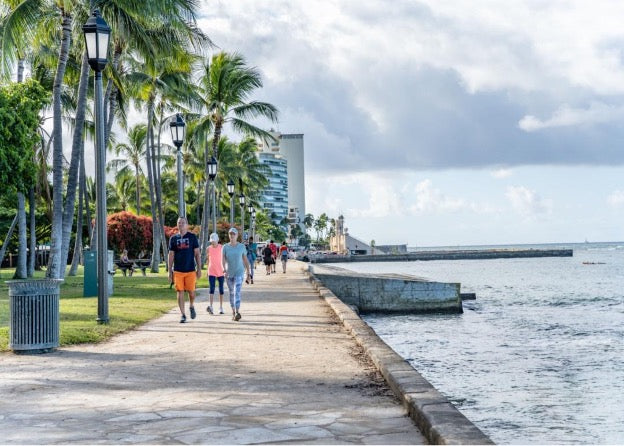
(214, 237)
(233, 231)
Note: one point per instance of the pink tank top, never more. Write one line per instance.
(216, 267)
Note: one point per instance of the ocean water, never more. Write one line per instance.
(538, 358)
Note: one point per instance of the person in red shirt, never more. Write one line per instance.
(283, 254)
(273, 247)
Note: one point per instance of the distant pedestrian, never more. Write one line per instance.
(267, 256)
(283, 254)
(273, 247)
(184, 265)
(214, 259)
(251, 258)
(235, 265)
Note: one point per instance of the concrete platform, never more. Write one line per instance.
(288, 372)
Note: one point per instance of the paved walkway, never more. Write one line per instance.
(288, 372)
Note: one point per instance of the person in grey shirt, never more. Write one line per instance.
(235, 265)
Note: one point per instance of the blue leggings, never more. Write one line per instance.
(211, 281)
(234, 286)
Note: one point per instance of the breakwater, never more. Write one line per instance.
(390, 293)
(447, 255)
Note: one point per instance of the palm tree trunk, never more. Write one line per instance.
(77, 257)
(137, 179)
(83, 186)
(204, 224)
(56, 268)
(21, 270)
(159, 192)
(20, 70)
(150, 179)
(110, 100)
(77, 149)
(7, 239)
(32, 257)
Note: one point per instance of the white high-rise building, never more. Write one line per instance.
(290, 148)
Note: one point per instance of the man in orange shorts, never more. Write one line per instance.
(184, 265)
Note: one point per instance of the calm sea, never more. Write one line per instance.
(538, 358)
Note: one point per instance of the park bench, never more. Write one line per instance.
(133, 265)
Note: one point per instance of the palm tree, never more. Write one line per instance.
(131, 156)
(150, 82)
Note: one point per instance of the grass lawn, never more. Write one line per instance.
(135, 300)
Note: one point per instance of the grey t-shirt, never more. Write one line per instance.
(233, 256)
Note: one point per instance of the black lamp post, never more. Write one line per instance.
(241, 201)
(250, 209)
(212, 174)
(230, 191)
(97, 35)
(177, 127)
(253, 221)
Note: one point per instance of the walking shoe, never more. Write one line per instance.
(209, 309)
(234, 317)
(193, 314)
(252, 280)
(183, 320)
(237, 317)
(221, 311)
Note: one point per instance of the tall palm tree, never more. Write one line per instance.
(131, 157)
(226, 84)
(149, 82)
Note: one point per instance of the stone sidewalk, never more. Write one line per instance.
(288, 372)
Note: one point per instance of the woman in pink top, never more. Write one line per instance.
(214, 252)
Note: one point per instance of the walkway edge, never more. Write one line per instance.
(436, 417)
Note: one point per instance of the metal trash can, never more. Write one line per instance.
(34, 315)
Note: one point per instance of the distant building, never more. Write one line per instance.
(285, 195)
(274, 200)
(343, 243)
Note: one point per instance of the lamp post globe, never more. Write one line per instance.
(97, 36)
(230, 188)
(178, 128)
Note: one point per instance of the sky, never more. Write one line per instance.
(443, 123)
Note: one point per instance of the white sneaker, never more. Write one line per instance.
(221, 311)
(209, 309)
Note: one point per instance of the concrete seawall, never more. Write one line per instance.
(448, 255)
(392, 293)
(436, 417)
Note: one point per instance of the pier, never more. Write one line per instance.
(458, 254)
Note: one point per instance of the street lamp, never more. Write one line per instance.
(241, 201)
(177, 127)
(97, 35)
(212, 174)
(230, 191)
(253, 221)
(250, 209)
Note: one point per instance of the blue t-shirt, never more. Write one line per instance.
(184, 252)
(233, 256)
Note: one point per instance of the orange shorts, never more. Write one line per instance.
(184, 281)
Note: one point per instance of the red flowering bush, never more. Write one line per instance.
(131, 232)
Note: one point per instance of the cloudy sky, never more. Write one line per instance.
(433, 122)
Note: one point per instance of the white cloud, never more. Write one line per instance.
(616, 198)
(527, 202)
(567, 116)
(501, 173)
(431, 200)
